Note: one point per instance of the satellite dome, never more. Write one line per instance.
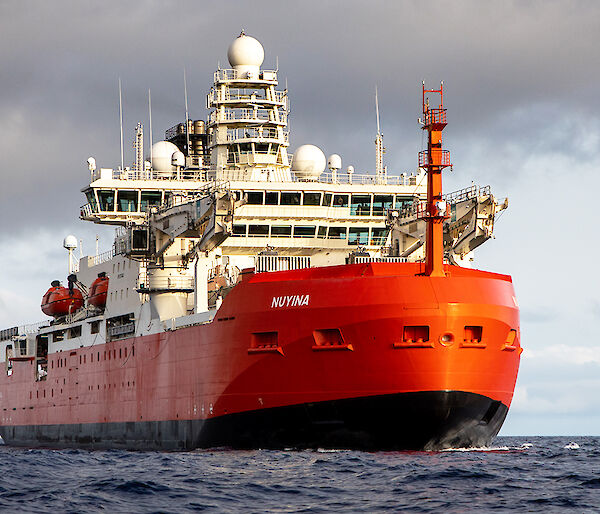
(309, 162)
(162, 156)
(246, 54)
(70, 242)
(334, 162)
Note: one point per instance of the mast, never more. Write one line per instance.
(434, 159)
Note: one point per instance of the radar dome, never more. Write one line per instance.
(334, 162)
(162, 156)
(246, 54)
(309, 162)
(70, 242)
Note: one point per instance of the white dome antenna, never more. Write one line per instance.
(91, 163)
(334, 162)
(246, 55)
(308, 162)
(70, 243)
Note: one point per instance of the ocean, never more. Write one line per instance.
(525, 474)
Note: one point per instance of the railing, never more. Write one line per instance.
(119, 174)
(94, 260)
(263, 75)
(263, 263)
(441, 156)
(30, 328)
(364, 259)
(120, 330)
(167, 284)
(258, 115)
(216, 96)
(259, 133)
(433, 116)
(467, 193)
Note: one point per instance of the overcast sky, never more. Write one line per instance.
(521, 86)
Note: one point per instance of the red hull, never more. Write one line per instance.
(290, 338)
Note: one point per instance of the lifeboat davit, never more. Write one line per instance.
(98, 291)
(59, 301)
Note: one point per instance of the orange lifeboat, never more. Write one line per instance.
(59, 301)
(98, 291)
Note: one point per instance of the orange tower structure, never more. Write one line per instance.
(434, 159)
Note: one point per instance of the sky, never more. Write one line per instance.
(521, 88)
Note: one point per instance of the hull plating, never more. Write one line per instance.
(291, 340)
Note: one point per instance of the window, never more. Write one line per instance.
(379, 236)
(107, 199)
(381, 203)
(254, 197)
(358, 236)
(322, 233)
(281, 231)
(272, 198)
(290, 198)
(327, 200)
(92, 200)
(312, 199)
(337, 233)
(360, 205)
(74, 332)
(402, 201)
(415, 334)
(302, 231)
(239, 230)
(340, 200)
(258, 230)
(58, 336)
(150, 199)
(127, 201)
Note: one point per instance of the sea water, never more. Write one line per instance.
(525, 474)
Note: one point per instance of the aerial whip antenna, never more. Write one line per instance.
(121, 121)
(150, 123)
(379, 169)
(187, 124)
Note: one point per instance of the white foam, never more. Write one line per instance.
(571, 446)
(479, 449)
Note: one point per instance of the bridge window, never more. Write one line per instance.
(272, 198)
(327, 200)
(358, 236)
(302, 231)
(381, 203)
(288, 198)
(150, 199)
(322, 233)
(107, 199)
(281, 231)
(360, 205)
(401, 201)
(340, 200)
(254, 197)
(239, 230)
(258, 230)
(337, 233)
(379, 236)
(91, 198)
(312, 199)
(127, 201)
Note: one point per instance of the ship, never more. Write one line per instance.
(255, 298)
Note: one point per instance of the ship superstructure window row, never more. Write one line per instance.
(354, 235)
(137, 201)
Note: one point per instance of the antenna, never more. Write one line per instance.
(187, 124)
(379, 149)
(150, 123)
(276, 63)
(121, 121)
